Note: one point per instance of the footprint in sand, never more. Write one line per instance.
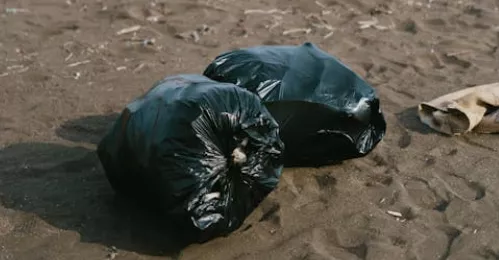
(314, 189)
(462, 188)
(327, 244)
(436, 22)
(325, 181)
(379, 180)
(268, 212)
(454, 60)
(472, 10)
(271, 213)
(424, 195)
(405, 140)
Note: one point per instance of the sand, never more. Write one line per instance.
(65, 73)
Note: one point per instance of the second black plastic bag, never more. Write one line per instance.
(325, 111)
(204, 152)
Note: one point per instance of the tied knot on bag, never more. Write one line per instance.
(238, 155)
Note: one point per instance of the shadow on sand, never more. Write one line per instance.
(67, 188)
(409, 119)
(89, 129)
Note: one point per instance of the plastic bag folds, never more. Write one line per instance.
(198, 150)
(326, 112)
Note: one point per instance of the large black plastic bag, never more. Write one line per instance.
(325, 111)
(199, 150)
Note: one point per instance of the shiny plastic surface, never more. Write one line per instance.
(199, 150)
(325, 111)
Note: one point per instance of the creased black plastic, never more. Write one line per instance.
(326, 112)
(200, 150)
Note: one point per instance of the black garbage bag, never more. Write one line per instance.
(198, 150)
(326, 112)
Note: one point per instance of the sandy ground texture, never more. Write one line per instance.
(67, 68)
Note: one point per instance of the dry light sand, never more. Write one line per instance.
(65, 72)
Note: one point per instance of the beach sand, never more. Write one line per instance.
(65, 72)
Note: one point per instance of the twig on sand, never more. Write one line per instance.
(13, 67)
(78, 63)
(271, 11)
(16, 10)
(324, 7)
(297, 30)
(143, 42)
(368, 24)
(374, 24)
(394, 213)
(130, 29)
(328, 35)
(320, 4)
(457, 53)
(23, 70)
(138, 68)
(69, 56)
